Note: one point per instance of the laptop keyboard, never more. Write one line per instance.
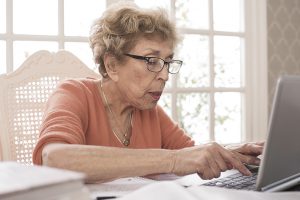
(236, 181)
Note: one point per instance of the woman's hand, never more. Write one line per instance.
(207, 160)
(248, 153)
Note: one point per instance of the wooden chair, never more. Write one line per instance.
(24, 93)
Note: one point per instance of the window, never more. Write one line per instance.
(42, 19)
(51, 25)
(208, 91)
(2, 15)
(214, 97)
(3, 56)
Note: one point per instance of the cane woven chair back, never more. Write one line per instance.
(24, 93)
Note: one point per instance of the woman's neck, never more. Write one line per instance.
(120, 119)
(114, 99)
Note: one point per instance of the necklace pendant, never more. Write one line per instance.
(126, 142)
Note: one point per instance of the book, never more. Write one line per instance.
(18, 181)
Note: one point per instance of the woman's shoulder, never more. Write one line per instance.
(78, 83)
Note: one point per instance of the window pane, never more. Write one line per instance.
(80, 14)
(2, 16)
(192, 13)
(35, 17)
(227, 61)
(229, 15)
(194, 53)
(166, 103)
(3, 57)
(193, 115)
(228, 117)
(154, 4)
(83, 51)
(23, 49)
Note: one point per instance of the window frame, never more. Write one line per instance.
(256, 70)
(254, 122)
(254, 100)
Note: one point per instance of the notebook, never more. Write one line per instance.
(19, 182)
(280, 166)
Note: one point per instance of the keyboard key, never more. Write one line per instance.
(235, 181)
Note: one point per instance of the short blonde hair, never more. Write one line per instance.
(117, 31)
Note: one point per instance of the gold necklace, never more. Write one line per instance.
(126, 141)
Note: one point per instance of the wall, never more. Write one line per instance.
(283, 24)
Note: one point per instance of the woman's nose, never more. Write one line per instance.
(164, 73)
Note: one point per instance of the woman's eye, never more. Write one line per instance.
(153, 61)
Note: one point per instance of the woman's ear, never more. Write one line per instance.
(111, 67)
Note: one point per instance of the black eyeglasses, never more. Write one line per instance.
(155, 64)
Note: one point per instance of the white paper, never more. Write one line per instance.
(169, 190)
(165, 190)
(172, 187)
(215, 193)
(118, 187)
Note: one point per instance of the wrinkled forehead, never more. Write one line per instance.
(154, 43)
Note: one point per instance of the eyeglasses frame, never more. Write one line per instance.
(147, 58)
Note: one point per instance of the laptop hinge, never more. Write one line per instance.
(282, 184)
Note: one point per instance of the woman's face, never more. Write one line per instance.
(140, 87)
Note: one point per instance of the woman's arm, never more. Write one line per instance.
(101, 163)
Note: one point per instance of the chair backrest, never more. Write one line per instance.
(24, 93)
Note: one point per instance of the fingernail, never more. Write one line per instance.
(257, 162)
(248, 172)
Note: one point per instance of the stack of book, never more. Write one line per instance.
(19, 181)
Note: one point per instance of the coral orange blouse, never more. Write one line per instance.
(75, 109)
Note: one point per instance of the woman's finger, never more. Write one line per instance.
(214, 169)
(248, 159)
(236, 163)
(221, 163)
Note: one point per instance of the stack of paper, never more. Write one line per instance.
(19, 181)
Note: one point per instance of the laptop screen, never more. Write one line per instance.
(281, 157)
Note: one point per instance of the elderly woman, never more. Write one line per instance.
(113, 127)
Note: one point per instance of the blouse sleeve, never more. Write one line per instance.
(173, 137)
(65, 119)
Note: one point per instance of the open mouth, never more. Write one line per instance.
(155, 95)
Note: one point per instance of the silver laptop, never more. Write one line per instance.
(280, 166)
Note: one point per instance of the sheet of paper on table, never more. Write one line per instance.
(169, 190)
(169, 186)
(118, 188)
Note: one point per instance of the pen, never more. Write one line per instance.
(106, 197)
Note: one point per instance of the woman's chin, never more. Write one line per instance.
(147, 106)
